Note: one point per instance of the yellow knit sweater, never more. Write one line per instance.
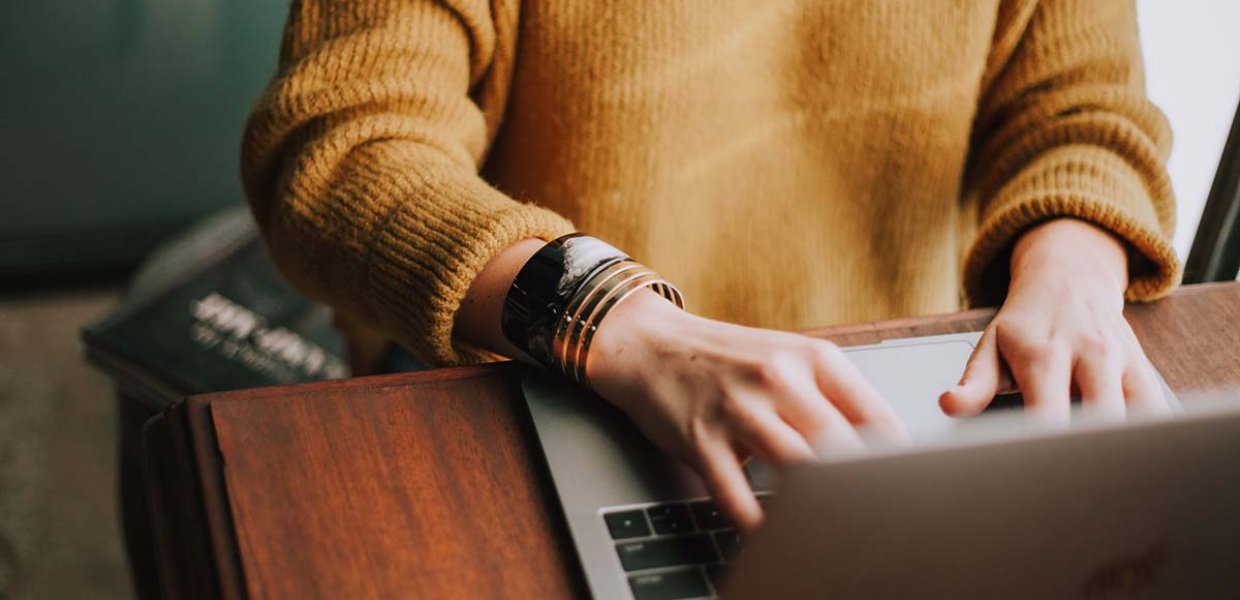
(788, 163)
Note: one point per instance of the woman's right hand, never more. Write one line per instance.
(714, 393)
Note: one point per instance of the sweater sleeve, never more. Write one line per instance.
(1064, 129)
(361, 161)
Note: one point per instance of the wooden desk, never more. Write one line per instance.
(431, 484)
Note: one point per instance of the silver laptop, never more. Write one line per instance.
(974, 508)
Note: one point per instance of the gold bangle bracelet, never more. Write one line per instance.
(601, 303)
(604, 303)
(585, 343)
(597, 296)
(572, 320)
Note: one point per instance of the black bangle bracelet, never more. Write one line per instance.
(545, 286)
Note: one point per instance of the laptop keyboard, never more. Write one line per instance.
(673, 550)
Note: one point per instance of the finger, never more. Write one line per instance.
(1099, 377)
(1142, 390)
(726, 481)
(802, 405)
(980, 382)
(1044, 377)
(770, 437)
(852, 397)
(832, 433)
(819, 421)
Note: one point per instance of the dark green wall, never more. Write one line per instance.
(120, 122)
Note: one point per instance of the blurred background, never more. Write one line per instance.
(120, 123)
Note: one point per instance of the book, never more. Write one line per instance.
(210, 312)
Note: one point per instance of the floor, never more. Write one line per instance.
(59, 527)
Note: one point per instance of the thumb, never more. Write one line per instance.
(980, 381)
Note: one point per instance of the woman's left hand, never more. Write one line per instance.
(1061, 332)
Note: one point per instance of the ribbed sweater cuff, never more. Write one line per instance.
(424, 261)
(1087, 183)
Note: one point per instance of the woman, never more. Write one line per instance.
(785, 164)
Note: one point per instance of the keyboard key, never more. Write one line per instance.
(669, 586)
(667, 552)
(715, 574)
(729, 543)
(708, 516)
(627, 524)
(670, 519)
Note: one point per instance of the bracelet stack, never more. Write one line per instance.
(564, 292)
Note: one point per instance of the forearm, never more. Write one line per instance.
(361, 164)
(477, 322)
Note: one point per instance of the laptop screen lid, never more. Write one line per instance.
(1148, 510)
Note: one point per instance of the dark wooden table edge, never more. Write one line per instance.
(225, 549)
(178, 516)
(198, 498)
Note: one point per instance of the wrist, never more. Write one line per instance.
(637, 324)
(1068, 249)
(565, 292)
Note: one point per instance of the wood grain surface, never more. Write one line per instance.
(431, 484)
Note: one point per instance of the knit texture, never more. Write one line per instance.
(788, 163)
